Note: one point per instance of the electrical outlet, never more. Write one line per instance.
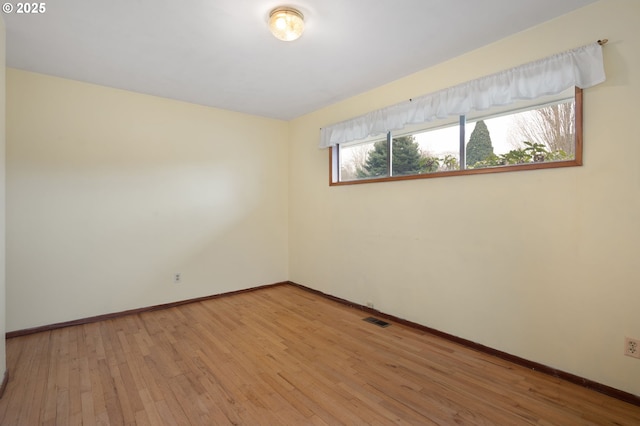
(632, 347)
(370, 304)
(177, 278)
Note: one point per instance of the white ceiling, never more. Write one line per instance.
(220, 53)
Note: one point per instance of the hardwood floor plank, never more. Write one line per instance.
(48, 412)
(33, 387)
(114, 412)
(278, 356)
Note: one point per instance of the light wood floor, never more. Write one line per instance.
(278, 356)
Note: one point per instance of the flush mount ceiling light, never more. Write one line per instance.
(286, 23)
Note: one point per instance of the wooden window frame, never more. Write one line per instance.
(334, 165)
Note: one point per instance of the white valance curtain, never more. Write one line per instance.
(582, 67)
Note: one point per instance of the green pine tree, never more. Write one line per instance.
(407, 159)
(376, 164)
(406, 156)
(479, 147)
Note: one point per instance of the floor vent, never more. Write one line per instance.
(377, 322)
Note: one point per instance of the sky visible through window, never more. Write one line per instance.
(436, 143)
(441, 142)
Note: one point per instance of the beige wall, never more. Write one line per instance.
(111, 192)
(539, 264)
(3, 323)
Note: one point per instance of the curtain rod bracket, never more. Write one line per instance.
(603, 41)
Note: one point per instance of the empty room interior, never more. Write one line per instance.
(198, 212)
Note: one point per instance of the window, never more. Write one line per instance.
(541, 133)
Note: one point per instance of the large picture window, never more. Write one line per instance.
(536, 134)
(523, 118)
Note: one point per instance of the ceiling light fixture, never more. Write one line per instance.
(286, 23)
